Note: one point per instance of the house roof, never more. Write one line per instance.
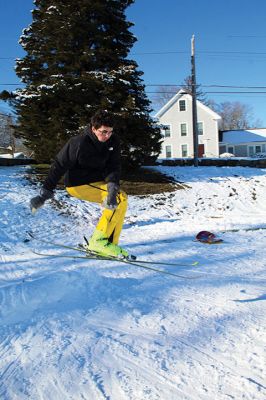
(177, 97)
(244, 136)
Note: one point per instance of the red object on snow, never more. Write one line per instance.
(208, 237)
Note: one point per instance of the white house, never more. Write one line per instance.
(175, 119)
(243, 143)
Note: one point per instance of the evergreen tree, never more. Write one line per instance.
(75, 64)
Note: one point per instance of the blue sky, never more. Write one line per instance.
(230, 39)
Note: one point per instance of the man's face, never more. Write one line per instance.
(103, 133)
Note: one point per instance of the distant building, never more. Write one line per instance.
(14, 155)
(6, 132)
(243, 143)
(175, 121)
(9, 144)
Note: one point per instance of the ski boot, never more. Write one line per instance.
(100, 245)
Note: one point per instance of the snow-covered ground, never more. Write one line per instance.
(83, 329)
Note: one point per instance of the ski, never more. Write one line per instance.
(84, 251)
(120, 260)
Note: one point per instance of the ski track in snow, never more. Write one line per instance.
(83, 329)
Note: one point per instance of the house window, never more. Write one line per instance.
(257, 149)
(184, 150)
(231, 150)
(250, 151)
(182, 105)
(200, 128)
(166, 131)
(183, 129)
(168, 151)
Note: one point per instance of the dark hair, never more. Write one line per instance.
(102, 117)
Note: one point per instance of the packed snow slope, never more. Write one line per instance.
(73, 328)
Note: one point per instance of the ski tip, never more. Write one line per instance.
(195, 263)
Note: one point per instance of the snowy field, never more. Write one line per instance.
(100, 330)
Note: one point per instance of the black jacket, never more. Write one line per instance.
(84, 159)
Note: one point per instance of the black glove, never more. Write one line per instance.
(110, 201)
(38, 201)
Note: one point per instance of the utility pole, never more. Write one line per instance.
(194, 104)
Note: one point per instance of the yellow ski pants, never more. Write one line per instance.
(111, 221)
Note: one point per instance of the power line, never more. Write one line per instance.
(180, 52)
(243, 92)
(215, 92)
(182, 85)
(246, 36)
(10, 84)
(211, 86)
(175, 84)
(200, 52)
